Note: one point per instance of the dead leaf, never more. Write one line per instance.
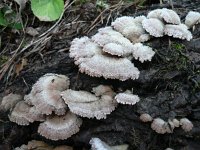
(19, 67)
(31, 31)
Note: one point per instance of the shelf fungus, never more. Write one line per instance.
(9, 101)
(178, 31)
(161, 127)
(97, 144)
(131, 28)
(60, 127)
(165, 14)
(186, 124)
(88, 105)
(127, 98)
(142, 52)
(154, 27)
(192, 19)
(45, 94)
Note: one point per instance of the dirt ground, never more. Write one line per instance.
(169, 85)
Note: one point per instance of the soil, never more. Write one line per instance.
(169, 85)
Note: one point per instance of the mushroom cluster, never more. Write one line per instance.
(160, 126)
(108, 53)
(57, 107)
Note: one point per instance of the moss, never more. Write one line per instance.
(3, 59)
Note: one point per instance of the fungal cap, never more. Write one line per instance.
(48, 101)
(38, 145)
(176, 122)
(145, 117)
(126, 98)
(9, 101)
(170, 16)
(97, 144)
(178, 31)
(143, 53)
(192, 18)
(159, 126)
(102, 90)
(165, 14)
(153, 26)
(60, 127)
(98, 109)
(114, 49)
(83, 48)
(78, 96)
(109, 67)
(19, 114)
(50, 81)
(186, 124)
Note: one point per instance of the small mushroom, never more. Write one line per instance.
(88, 105)
(165, 14)
(131, 28)
(60, 127)
(153, 26)
(143, 53)
(178, 31)
(145, 117)
(127, 98)
(102, 90)
(9, 101)
(19, 114)
(45, 94)
(192, 18)
(97, 144)
(176, 122)
(186, 124)
(83, 48)
(159, 126)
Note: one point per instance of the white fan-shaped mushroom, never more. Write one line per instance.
(153, 26)
(127, 98)
(192, 18)
(83, 48)
(91, 107)
(102, 90)
(159, 126)
(60, 127)
(186, 124)
(9, 101)
(109, 67)
(165, 14)
(142, 52)
(178, 31)
(131, 28)
(97, 144)
(19, 114)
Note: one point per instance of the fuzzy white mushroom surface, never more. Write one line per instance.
(186, 124)
(45, 94)
(97, 144)
(176, 122)
(165, 14)
(9, 101)
(109, 67)
(192, 18)
(178, 31)
(131, 28)
(145, 117)
(142, 52)
(159, 125)
(60, 127)
(153, 26)
(86, 104)
(83, 48)
(127, 98)
(102, 90)
(20, 113)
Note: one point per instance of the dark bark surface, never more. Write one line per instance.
(168, 87)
